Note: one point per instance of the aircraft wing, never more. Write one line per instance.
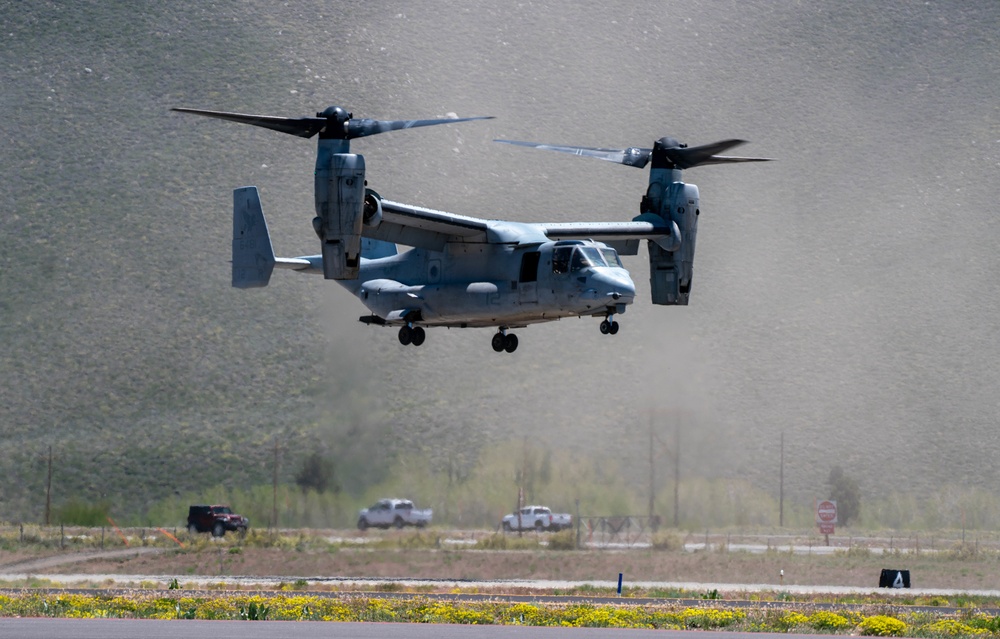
(624, 236)
(430, 229)
(425, 228)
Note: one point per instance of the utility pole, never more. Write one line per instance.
(675, 458)
(781, 489)
(48, 491)
(677, 476)
(520, 489)
(274, 488)
(652, 474)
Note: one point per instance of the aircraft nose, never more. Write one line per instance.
(616, 285)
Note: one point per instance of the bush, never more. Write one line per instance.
(847, 493)
(882, 626)
(499, 541)
(949, 628)
(667, 541)
(563, 540)
(828, 621)
(790, 619)
(77, 513)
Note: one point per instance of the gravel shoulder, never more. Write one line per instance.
(221, 561)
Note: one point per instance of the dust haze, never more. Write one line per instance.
(844, 295)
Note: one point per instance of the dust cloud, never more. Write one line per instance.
(844, 295)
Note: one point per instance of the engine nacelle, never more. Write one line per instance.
(373, 209)
(340, 195)
(671, 264)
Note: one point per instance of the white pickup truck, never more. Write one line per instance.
(537, 518)
(393, 512)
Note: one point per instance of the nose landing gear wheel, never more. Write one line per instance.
(609, 327)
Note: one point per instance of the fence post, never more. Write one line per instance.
(577, 524)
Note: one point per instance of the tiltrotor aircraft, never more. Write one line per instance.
(470, 272)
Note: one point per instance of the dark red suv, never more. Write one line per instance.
(216, 519)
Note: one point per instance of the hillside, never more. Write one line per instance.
(845, 295)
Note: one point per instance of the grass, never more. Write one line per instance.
(292, 556)
(302, 607)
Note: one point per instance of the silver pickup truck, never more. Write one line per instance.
(537, 518)
(393, 512)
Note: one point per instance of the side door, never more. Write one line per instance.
(527, 281)
(542, 517)
(382, 513)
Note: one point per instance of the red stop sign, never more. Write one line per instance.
(826, 512)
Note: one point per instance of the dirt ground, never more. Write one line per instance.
(928, 570)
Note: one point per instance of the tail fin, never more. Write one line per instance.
(253, 257)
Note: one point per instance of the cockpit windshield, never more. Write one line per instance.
(611, 257)
(585, 256)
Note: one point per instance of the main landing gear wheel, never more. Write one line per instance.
(418, 336)
(412, 335)
(510, 343)
(609, 327)
(504, 342)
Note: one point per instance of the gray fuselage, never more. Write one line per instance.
(478, 284)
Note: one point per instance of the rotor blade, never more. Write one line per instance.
(632, 156)
(727, 159)
(302, 127)
(685, 158)
(363, 127)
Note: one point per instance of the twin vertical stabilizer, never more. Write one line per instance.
(253, 256)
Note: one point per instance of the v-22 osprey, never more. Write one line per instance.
(464, 272)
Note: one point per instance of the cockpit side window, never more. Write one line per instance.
(585, 256)
(611, 257)
(560, 259)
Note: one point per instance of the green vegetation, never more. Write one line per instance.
(845, 490)
(76, 513)
(487, 489)
(259, 607)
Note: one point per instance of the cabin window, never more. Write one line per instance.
(529, 267)
(585, 256)
(611, 257)
(560, 259)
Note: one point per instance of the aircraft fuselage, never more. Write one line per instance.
(503, 285)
